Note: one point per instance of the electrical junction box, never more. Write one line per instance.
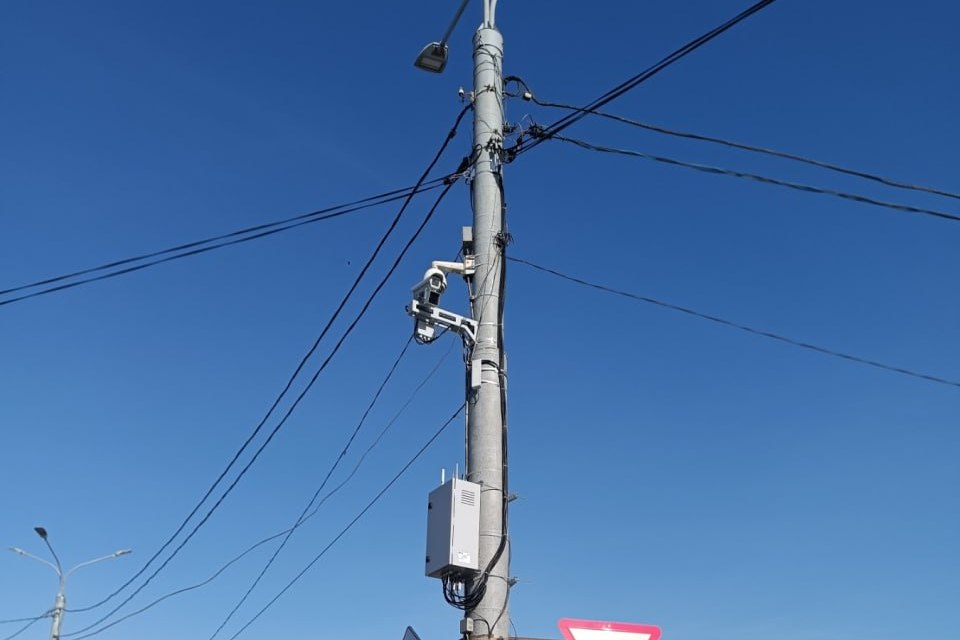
(453, 529)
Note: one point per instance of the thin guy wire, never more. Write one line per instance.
(758, 178)
(300, 519)
(300, 366)
(194, 252)
(310, 515)
(370, 505)
(891, 182)
(742, 327)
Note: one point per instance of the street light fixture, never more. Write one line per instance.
(433, 58)
(61, 602)
(43, 534)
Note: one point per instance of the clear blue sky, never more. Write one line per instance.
(671, 471)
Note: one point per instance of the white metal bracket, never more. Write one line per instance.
(428, 317)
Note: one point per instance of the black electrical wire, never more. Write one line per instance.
(232, 238)
(310, 515)
(30, 619)
(641, 77)
(478, 587)
(362, 512)
(289, 411)
(759, 178)
(343, 531)
(29, 623)
(299, 368)
(503, 242)
(316, 494)
(742, 327)
(891, 182)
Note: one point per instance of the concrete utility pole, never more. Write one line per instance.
(486, 422)
(489, 619)
(60, 603)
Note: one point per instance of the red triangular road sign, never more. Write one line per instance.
(573, 629)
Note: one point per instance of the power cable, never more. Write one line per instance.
(30, 622)
(210, 244)
(759, 178)
(296, 373)
(288, 413)
(641, 77)
(891, 182)
(316, 509)
(356, 518)
(29, 619)
(742, 327)
(316, 494)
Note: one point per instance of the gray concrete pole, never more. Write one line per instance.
(485, 424)
(58, 607)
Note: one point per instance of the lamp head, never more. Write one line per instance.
(41, 532)
(433, 58)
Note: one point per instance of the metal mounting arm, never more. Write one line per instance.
(428, 317)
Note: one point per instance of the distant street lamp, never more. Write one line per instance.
(61, 602)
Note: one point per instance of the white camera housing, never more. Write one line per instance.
(429, 290)
(425, 308)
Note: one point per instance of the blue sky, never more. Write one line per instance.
(671, 471)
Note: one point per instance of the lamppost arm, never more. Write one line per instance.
(115, 554)
(21, 552)
(453, 23)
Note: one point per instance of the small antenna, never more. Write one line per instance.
(457, 467)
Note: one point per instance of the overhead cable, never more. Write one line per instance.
(349, 526)
(28, 619)
(759, 178)
(198, 247)
(742, 327)
(316, 494)
(343, 531)
(29, 623)
(294, 376)
(286, 415)
(891, 182)
(643, 76)
(356, 467)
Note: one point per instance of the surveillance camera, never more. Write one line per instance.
(428, 290)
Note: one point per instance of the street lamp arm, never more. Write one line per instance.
(21, 552)
(115, 554)
(46, 540)
(456, 19)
